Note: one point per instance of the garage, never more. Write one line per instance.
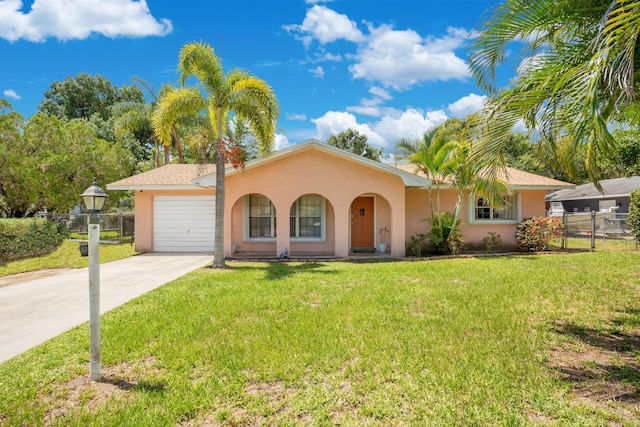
(183, 223)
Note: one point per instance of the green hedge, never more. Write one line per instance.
(634, 213)
(30, 237)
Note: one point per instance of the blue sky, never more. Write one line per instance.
(389, 68)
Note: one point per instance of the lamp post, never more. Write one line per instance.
(94, 198)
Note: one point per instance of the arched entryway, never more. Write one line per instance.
(370, 216)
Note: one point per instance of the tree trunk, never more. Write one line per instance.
(218, 254)
(167, 155)
(178, 144)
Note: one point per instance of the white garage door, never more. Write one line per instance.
(183, 223)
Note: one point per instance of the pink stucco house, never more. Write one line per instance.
(311, 199)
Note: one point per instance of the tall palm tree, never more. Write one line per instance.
(577, 72)
(219, 95)
(432, 155)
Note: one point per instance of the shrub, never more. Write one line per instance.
(26, 238)
(417, 244)
(447, 240)
(534, 234)
(634, 213)
(455, 242)
(491, 241)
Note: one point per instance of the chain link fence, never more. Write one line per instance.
(598, 227)
(114, 227)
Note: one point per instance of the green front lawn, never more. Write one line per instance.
(517, 340)
(66, 256)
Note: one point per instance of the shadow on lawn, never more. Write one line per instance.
(604, 366)
(281, 270)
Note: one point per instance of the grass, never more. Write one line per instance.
(478, 341)
(113, 236)
(66, 256)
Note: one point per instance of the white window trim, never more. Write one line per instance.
(323, 223)
(246, 235)
(471, 212)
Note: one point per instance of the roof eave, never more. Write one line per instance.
(597, 196)
(409, 179)
(156, 187)
(539, 187)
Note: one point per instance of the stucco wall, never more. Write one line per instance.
(313, 171)
(531, 203)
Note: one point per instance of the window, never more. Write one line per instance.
(308, 218)
(485, 211)
(262, 217)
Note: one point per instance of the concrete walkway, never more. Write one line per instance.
(35, 311)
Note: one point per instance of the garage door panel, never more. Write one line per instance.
(184, 223)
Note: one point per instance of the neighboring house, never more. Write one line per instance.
(311, 199)
(587, 198)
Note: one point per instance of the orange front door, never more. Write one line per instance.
(362, 231)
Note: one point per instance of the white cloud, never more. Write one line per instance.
(401, 58)
(334, 122)
(10, 93)
(380, 93)
(317, 72)
(373, 106)
(297, 117)
(467, 105)
(366, 110)
(397, 59)
(384, 133)
(520, 126)
(281, 141)
(326, 26)
(79, 19)
(411, 124)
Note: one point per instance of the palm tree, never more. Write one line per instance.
(133, 116)
(432, 155)
(577, 73)
(220, 95)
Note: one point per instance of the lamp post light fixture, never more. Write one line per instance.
(94, 198)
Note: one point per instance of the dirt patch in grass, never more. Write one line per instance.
(267, 403)
(117, 383)
(602, 369)
(14, 279)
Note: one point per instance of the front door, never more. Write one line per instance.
(362, 224)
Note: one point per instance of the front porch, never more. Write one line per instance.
(310, 257)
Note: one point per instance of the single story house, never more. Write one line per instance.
(312, 199)
(586, 197)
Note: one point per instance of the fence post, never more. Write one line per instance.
(593, 230)
(120, 231)
(564, 230)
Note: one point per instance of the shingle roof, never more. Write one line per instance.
(185, 176)
(611, 188)
(170, 176)
(514, 178)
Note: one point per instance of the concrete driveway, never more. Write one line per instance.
(35, 311)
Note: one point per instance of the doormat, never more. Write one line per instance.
(363, 250)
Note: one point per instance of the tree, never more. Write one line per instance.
(354, 141)
(134, 118)
(220, 94)
(634, 213)
(578, 71)
(444, 156)
(432, 155)
(53, 162)
(10, 139)
(626, 155)
(84, 95)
